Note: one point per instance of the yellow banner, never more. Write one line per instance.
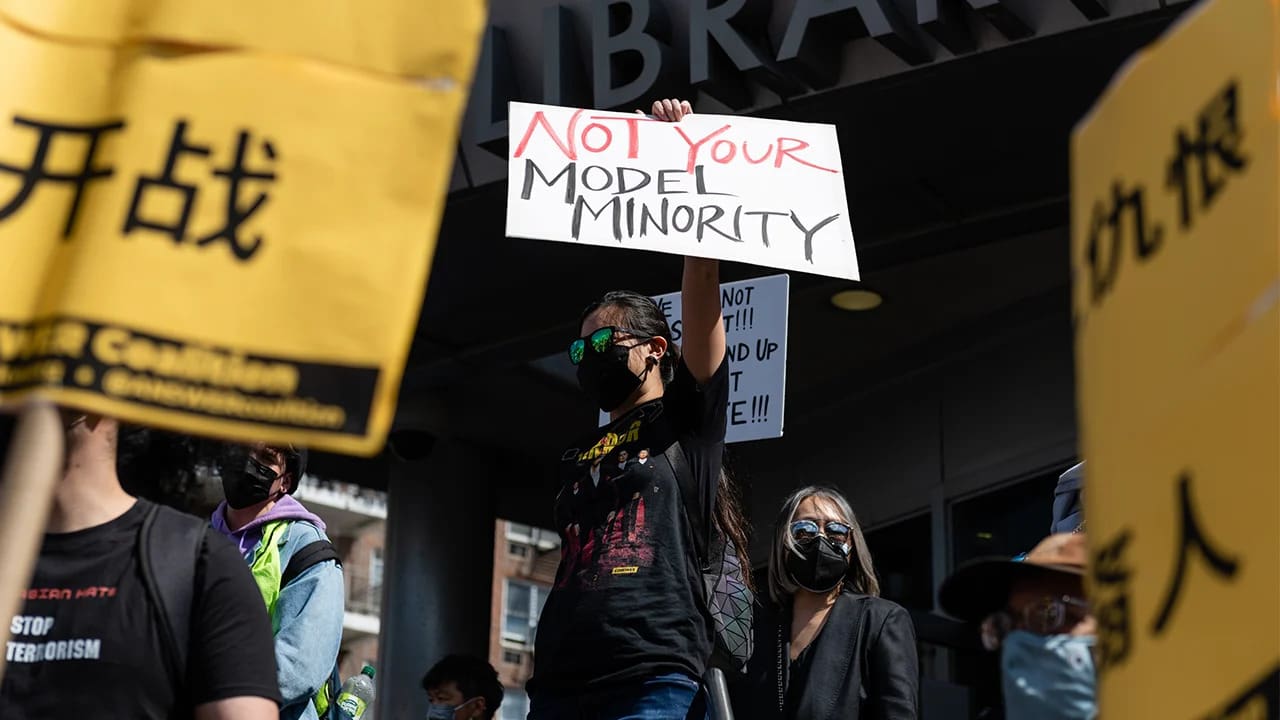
(414, 39)
(232, 243)
(1176, 260)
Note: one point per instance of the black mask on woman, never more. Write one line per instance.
(820, 566)
(606, 377)
(249, 486)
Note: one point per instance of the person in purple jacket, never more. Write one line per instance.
(295, 567)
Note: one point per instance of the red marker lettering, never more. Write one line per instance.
(608, 137)
(569, 148)
(746, 154)
(723, 158)
(693, 147)
(787, 152)
(633, 132)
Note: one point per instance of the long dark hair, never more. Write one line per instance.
(640, 313)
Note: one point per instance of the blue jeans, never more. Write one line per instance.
(664, 697)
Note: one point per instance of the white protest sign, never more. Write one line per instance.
(765, 192)
(755, 322)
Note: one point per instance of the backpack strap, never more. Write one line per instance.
(309, 555)
(169, 551)
(689, 491)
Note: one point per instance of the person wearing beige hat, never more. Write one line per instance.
(1032, 609)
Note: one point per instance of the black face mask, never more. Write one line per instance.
(606, 378)
(820, 567)
(248, 487)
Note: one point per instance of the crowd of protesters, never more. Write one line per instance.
(162, 615)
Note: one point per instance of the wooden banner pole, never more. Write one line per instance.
(30, 475)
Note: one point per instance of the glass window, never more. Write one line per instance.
(517, 550)
(902, 556)
(523, 605)
(1005, 522)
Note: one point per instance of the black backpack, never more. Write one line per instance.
(729, 600)
(169, 549)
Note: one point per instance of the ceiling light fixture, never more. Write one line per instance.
(857, 299)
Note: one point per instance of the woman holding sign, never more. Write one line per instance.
(626, 631)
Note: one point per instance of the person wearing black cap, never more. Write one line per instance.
(295, 566)
(1033, 610)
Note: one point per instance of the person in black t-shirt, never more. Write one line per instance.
(625, 631)
(89, 640)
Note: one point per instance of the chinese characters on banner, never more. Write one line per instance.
(231, 242)
(755, 324)
(766, 192)
(1176, 259)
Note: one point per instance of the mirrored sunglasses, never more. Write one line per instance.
(835, 531)
(599, 341)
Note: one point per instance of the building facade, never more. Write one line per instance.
(524, 568)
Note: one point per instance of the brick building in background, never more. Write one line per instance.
(356, 523)
(524, 568)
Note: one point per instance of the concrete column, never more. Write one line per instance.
(438, 572)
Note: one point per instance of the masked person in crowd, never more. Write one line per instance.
(829, 647)
(462, 687)
(134, 610)
(296, 569)
(1033, 610)
(626, 631)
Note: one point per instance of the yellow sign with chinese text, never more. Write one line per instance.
(231, 240)
(1176, 265)
(413, 39)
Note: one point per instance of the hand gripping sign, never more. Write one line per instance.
(221, 226)
(766, 192)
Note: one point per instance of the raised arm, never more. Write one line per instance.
(703, 340)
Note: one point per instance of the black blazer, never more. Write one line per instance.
(863, 665)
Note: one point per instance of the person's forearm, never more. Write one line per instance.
(703, 336)
(238, 708)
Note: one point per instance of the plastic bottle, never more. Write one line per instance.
(356, 695)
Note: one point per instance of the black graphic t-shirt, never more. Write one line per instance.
(87, 643)
(626, 603)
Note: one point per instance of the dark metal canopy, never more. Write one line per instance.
(958, 200)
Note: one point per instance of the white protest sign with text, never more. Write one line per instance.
(765, 192)
(755, 322)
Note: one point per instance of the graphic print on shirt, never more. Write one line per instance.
(603, 509)
(32, 641)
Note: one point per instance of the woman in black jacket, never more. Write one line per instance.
(827, 647)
